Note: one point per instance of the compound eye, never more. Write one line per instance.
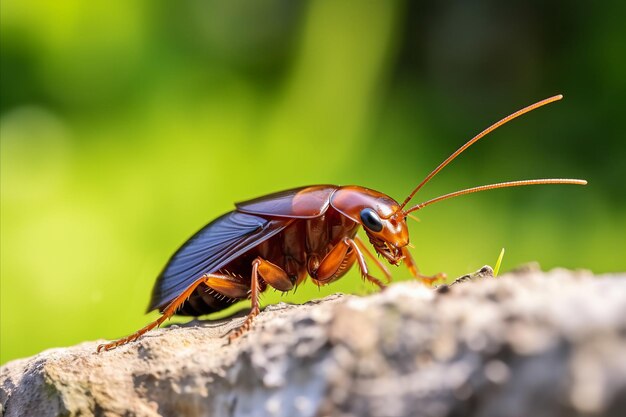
(370, 219)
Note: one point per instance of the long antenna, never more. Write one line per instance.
(475, 139)
(494, 186)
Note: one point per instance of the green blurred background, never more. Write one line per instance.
(126, 126)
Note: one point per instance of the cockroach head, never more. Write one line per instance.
(379, 214)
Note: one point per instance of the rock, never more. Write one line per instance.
(524, 344)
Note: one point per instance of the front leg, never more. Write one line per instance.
(338, 261)
(414, 270)
(373, 258)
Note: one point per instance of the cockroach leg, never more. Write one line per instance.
(227, 285)
(328, 269)
(275, 276)
(362, 265)
(169, 311)
(254, 297)
(378, 263)
(414, 270)
(219, 282)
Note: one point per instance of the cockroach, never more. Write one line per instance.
(279, 239)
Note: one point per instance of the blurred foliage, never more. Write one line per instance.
(126, 126)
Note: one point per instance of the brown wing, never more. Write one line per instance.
(297, 203)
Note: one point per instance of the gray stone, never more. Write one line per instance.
(525, 344)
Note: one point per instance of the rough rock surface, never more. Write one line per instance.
(524, 344)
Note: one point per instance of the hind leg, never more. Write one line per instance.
(223, 284)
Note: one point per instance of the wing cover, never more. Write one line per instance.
(211, 248)
(297, 203)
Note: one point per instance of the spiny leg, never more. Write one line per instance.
(272, 275)
(414, 270)
(254, 297)
(377, 261)
(275, 276)
(336, 262)
(224, 284)
(169, 311)
(362, 264)
(332, 266)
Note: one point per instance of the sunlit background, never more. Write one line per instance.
(126, 126)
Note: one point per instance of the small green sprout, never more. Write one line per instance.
(498, 263)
